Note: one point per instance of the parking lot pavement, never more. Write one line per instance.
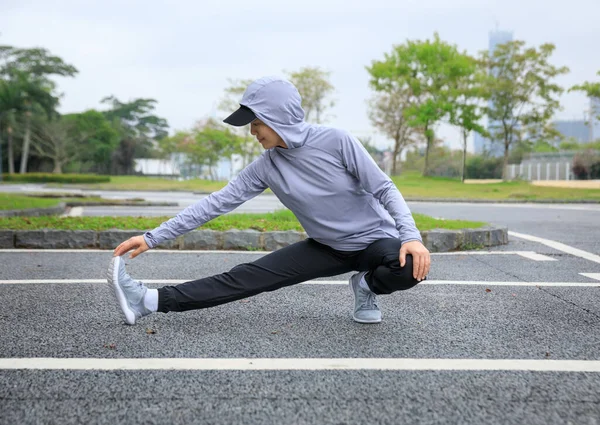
(450, 350)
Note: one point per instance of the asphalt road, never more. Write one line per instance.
(501, 306)
(512, 308)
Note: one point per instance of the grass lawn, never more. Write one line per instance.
(411, 185)
(148, 183)
(279, 220)
(9, 201)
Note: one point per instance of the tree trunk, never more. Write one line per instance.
(464, 158)
(26, 143)
(11, 155)
(430, 138)
(57, 167)
(1, 152)
(395, 157)
(505, 162)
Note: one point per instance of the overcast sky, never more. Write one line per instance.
(181, 53)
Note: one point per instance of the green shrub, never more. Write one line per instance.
(55, 178)
(482, 167)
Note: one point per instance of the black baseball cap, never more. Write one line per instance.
(241, 117)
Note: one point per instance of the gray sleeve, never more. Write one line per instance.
(360, 164)
(245, 186)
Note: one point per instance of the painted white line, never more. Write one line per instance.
(591, 275)
(558, 246)
(42, 363)
(152, 251)
(535, 256)
(76, 212)
(501, 283)
(531, 255)
(310, 282)
(526, 254)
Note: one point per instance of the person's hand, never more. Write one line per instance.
(421, 258)
(137, 242)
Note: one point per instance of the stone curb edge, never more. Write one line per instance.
(63, 207)
(437, 240)
(35, 212)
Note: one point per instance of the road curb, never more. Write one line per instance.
(35, 212)
(437, 240)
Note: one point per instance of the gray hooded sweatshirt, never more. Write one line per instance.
(325, 177)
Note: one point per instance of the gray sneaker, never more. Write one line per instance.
(365, 304)
(129, 292)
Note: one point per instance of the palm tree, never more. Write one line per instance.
(10, 105)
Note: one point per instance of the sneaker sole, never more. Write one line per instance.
(353, 316)
(113, 282)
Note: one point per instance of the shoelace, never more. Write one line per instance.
(370, 303)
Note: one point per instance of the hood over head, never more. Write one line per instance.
(277, 103)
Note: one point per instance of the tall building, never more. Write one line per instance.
(480, 143)
(585, 130)
(578, 130)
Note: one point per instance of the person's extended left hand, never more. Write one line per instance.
(421, 258)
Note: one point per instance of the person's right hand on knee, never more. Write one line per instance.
(137, 242)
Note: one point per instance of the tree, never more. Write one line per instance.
(249, 149)
(315, 89)
(10, 104)
(209, 143)
(57, 141)
(98, 138)
(31, 70)
(138, 127)
(387, 114)
(429, 69)
(233, 94)
(466, 96)
(523, 97)
(593, 91)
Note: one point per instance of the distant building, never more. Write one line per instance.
(481, 144)
(579, 130)
(157, 167)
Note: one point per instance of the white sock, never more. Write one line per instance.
(151, 300)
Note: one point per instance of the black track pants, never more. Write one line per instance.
(293, 264)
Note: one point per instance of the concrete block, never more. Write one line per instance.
(110, 239)
(242, 240)
(277, 240)
(476, 237)
(7, 239)
(55, 239)
(441, 240)
(203, 240)
(498, 236)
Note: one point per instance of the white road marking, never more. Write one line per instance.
(591, 275)
(310, 282)
(76, 212)
(43, 363)
(531, 255)
(558, 246)
(535, 256)
(73, 212)
(526, 254)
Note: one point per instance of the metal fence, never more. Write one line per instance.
(541, 170)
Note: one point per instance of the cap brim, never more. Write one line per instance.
(241, 117)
